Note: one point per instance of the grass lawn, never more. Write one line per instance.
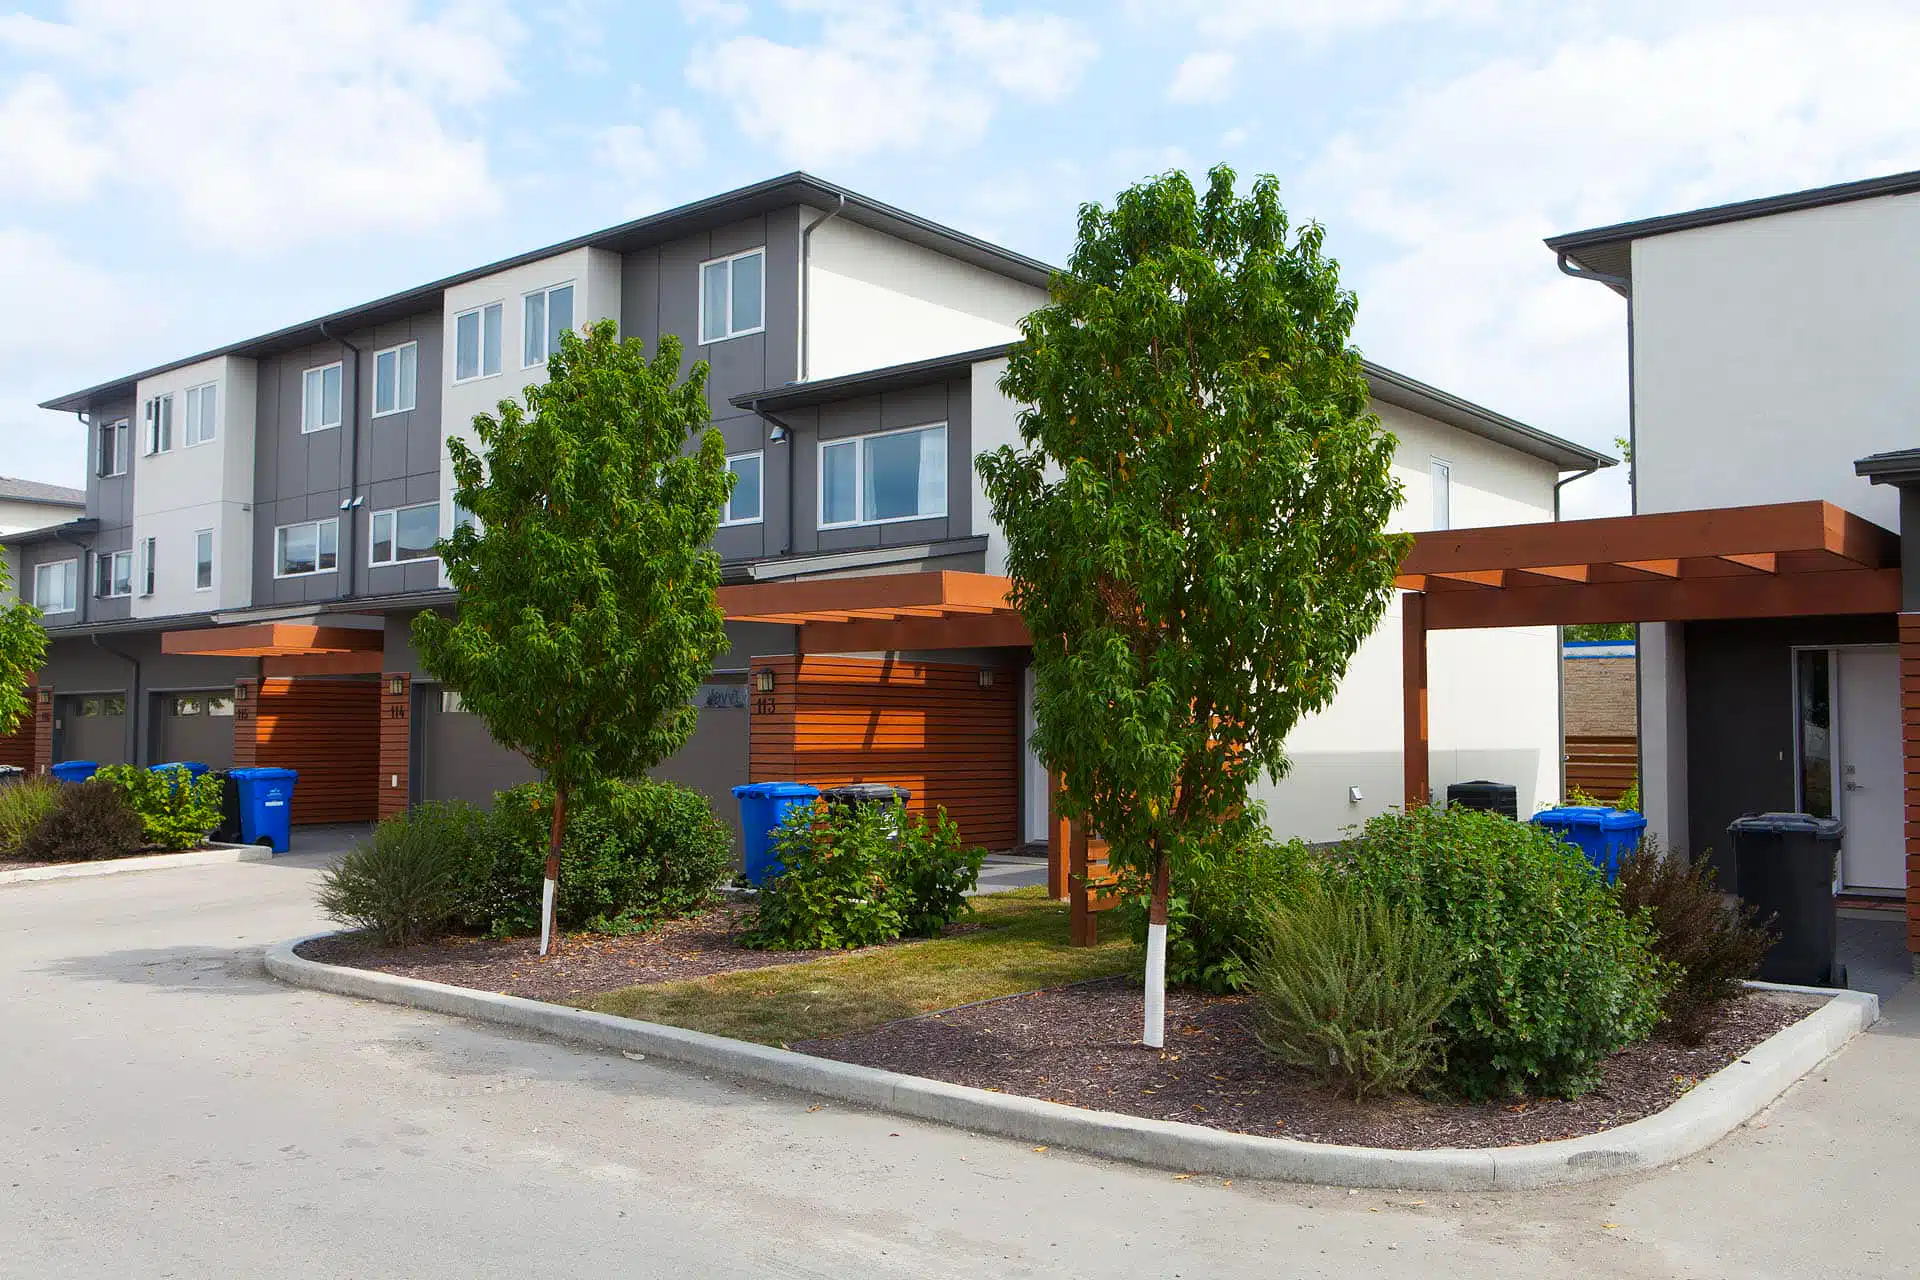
(1020, 944)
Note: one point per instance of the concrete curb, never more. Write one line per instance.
(1700, 1118)
(149, 862)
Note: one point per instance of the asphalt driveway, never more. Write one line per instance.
(165, 1109)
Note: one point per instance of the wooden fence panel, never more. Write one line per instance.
(328, 730)
(1602, 766)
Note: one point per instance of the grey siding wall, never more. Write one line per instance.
(80, 666)
(301, 477)
(660, 294)
(39, 553)
(110, 501)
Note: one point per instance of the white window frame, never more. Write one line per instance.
(760, 483)
(730, 333)
(149, 554)
(306, 387)
(546, 320)
(1439, 493)
(116, 448)
(208, 535)
(395, 351)
(110, 561)
(860, 477)
(71, 573)
(279, 537)
(207, 392)
(499, 308)
(156, 416)
(393, 536)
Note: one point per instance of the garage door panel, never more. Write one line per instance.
(91, 726)
(461, 759)
(195, 726)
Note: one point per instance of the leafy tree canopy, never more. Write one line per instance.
(23, 647)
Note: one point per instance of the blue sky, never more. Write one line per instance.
(176, 176)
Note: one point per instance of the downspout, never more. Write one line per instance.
(134, 700)
(350, 506)
(806, 286)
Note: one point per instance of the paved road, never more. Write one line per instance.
(166, 1110)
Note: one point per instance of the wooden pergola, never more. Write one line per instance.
(1784, 560)
(878, 612)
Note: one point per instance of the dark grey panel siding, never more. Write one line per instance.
(110, 498)
(78, 665)
(1740, 714)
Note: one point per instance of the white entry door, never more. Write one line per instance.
(1873, 855)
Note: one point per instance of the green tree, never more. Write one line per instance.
(586, 619)
(23, 647)
(1196, 526)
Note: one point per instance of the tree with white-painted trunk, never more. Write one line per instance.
(586, 578)
(1196, 519)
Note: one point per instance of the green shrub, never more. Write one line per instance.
(1351, 988)
(91, 821)
(403, 882)
(857, 875)
(634, 854)
(1708, 945)
(24, 806)
(177, 810)
(1556, 976)
(1220, 892)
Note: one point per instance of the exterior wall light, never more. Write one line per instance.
(763, 680)
(986, 677)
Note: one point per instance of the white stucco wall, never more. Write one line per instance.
(1771, 353)
(1493, 701)
(189, 488)
(995, 423)
(876, 301)
(17, 514)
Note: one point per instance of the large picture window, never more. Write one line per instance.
(312, 546)
(56, 586)
(405, 534)
(878, 479)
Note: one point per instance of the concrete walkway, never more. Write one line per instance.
(166, 1110)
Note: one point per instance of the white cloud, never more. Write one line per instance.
(1202, 77)
(256, 123)
(44, 153)
(636, 153)
(1462, 180)
(880, 77)
(721, 13)
(1237, 19)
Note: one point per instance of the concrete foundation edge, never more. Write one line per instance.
(152, 862)
(1697, 1120)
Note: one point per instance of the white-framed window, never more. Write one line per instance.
(200, 405)
(396, 379)
(203, 560)
(403, 534)
(882, 478)
(476, 343)
(158, 416)
(116, 442)
(312, 546)
(733, 296)
(56, 586)
(1441, 472)
(452, 703)
(743, 507)
(113, 574)
(320, 398)
(220, 704)
(149, 553)
(547, 313)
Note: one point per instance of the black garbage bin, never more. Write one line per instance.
(864, 794)
(1783, 865)
(1493, 797)
(228, 832)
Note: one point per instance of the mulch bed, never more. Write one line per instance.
(1079, 1045)
(586, 964)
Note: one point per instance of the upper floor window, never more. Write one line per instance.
(312, 546)
(320, 398)
(404, 534)
(113, 574)
(158, 416)
(743, 507)
(733, 296)
(476, 343)
(877, 479)
(149, 553)
(199, 411)
(396, 378)
(1442, 474)
(549, 313)
(203, 560)
(56, 586)
(115, 444)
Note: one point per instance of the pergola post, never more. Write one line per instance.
(1413, 667)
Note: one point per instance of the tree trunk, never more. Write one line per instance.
(547, 930)
(1154, 1033)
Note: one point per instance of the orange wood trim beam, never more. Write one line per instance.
(326, 664)
(1413, 660)
(272, 639)
(1849, 591)
(753, 601)
(1652, 568)
(1765, 561)
(1004, 630)
(1475, 577)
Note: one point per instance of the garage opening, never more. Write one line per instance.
(194, 725)
(90, 726)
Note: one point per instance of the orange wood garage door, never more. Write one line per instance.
(928, 727)
(329, 730)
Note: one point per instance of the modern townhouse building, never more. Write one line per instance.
(260, 522)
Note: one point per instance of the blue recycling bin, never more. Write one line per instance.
(266, 806)
(1605, 835)
(194, 768)
(74, 770)
(763, 807)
